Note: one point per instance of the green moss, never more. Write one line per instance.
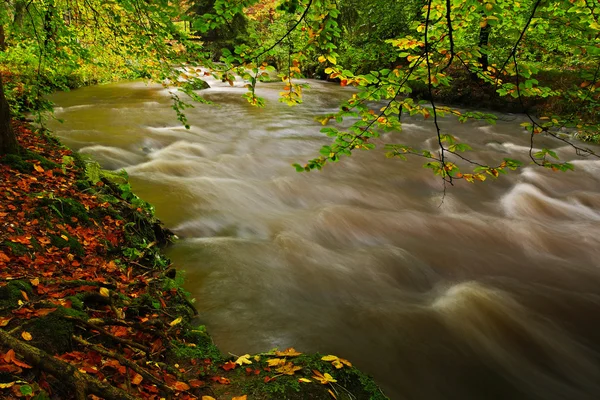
(76, 303)
(23, 162)
(65, 209)
(82, 185)
(71, 243)
(204, 348)
(16, 249)
(10, 294)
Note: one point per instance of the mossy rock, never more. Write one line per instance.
(53, 332)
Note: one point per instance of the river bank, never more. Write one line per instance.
(89, 305)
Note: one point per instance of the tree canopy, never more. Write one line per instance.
(540, 56)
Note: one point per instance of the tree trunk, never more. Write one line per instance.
(8, 141)
(484, 36)
(2, 38)
(20, 6)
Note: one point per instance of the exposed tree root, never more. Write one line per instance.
(83, 384)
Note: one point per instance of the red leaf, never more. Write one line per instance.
(228, 366)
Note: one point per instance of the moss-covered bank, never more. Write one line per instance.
(89, 305)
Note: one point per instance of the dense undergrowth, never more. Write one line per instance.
(89, 306)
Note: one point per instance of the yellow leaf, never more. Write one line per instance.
(304, 380)
(4, 321)
(274, 362)
(27, 336)
(323, 378)
(208, 398)
(6, 385)
(65, 237)
(35, 281)
(329, 358)
(244, 397)
(38, 168)
(288, 369)
(176, 321)
(104, 292)
(245, 359)
(289, 352)
(332, 59)
(336, 361)
(322, 59)
(332, 394)
(257, 358)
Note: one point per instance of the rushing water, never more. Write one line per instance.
(493, 293)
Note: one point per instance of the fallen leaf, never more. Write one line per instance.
(9, 356)
(176, 321)
(243, 360)
(244, 397)
(208, 398)
(323, 378)
(24, 294)
(35, 281)
(181, 386)
(229, 365)
(304, 380)
(26, 335)
(196, 383)
(220, 379)
(275, 362)
(337, 361)
(6, 385)
(38, 168)
(289, 352)
(20, 363)
(288, 369)
(104, 292)
(4, 321)
(4, 257)
(137, 379)
(332, 394)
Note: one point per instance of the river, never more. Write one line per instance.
(492, 293)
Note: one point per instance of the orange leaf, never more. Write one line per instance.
(244, 397)
(208, 398)
(20, 363)
(196, 383)
(4, 321)
(38, 168)
(4, 257)
(137, 379)
(26, 335)
(289, 352)
(181, 386)
(221, 380)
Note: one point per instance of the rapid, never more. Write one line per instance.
(491, 291)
